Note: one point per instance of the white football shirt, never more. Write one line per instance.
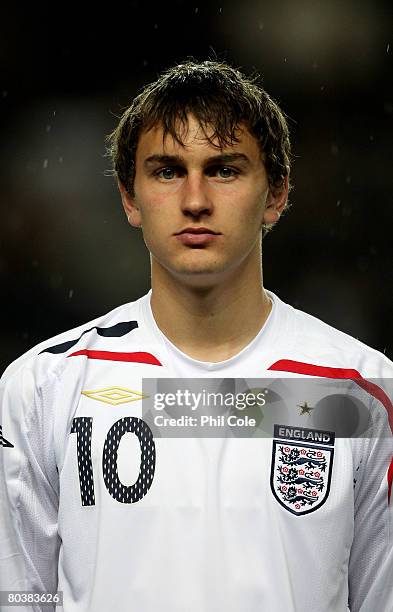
(96, 506)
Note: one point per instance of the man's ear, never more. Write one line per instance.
(130, 208)
(276, 201)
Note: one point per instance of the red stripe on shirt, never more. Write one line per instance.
(390, 479)
(139, 357)
(309, 369)
(297, 367)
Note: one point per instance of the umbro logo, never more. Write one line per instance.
(114, 395)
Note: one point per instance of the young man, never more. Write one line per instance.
(116, 517)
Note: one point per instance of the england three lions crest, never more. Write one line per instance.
(302, 462)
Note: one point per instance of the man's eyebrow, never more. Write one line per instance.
(228, 158)
(163, 159)
(223, 158)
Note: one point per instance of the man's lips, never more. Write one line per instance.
(197, 230)
(196, 236)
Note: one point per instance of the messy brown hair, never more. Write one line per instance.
(221, 98)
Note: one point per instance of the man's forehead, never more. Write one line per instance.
(192, 133)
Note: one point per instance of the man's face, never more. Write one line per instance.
(201, 208)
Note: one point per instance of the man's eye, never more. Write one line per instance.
(166, 173)
(224, 172)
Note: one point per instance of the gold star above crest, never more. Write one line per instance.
(305, 408)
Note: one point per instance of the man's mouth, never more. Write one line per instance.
(196, 236)
(197, 230)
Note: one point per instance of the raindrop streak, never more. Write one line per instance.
(45, 164)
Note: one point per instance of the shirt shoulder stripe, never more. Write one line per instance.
(139, 357)
(310, 369)
(115, 331)
(390, 480)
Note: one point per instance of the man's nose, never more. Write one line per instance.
(196, 198)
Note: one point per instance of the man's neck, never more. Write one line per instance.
(211, 324)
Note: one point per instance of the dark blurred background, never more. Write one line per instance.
(67, 252)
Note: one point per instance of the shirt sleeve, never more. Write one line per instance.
(371, 558)
(29, 490)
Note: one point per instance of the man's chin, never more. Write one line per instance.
(204, 278)
(195, 274)
(194, 271)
